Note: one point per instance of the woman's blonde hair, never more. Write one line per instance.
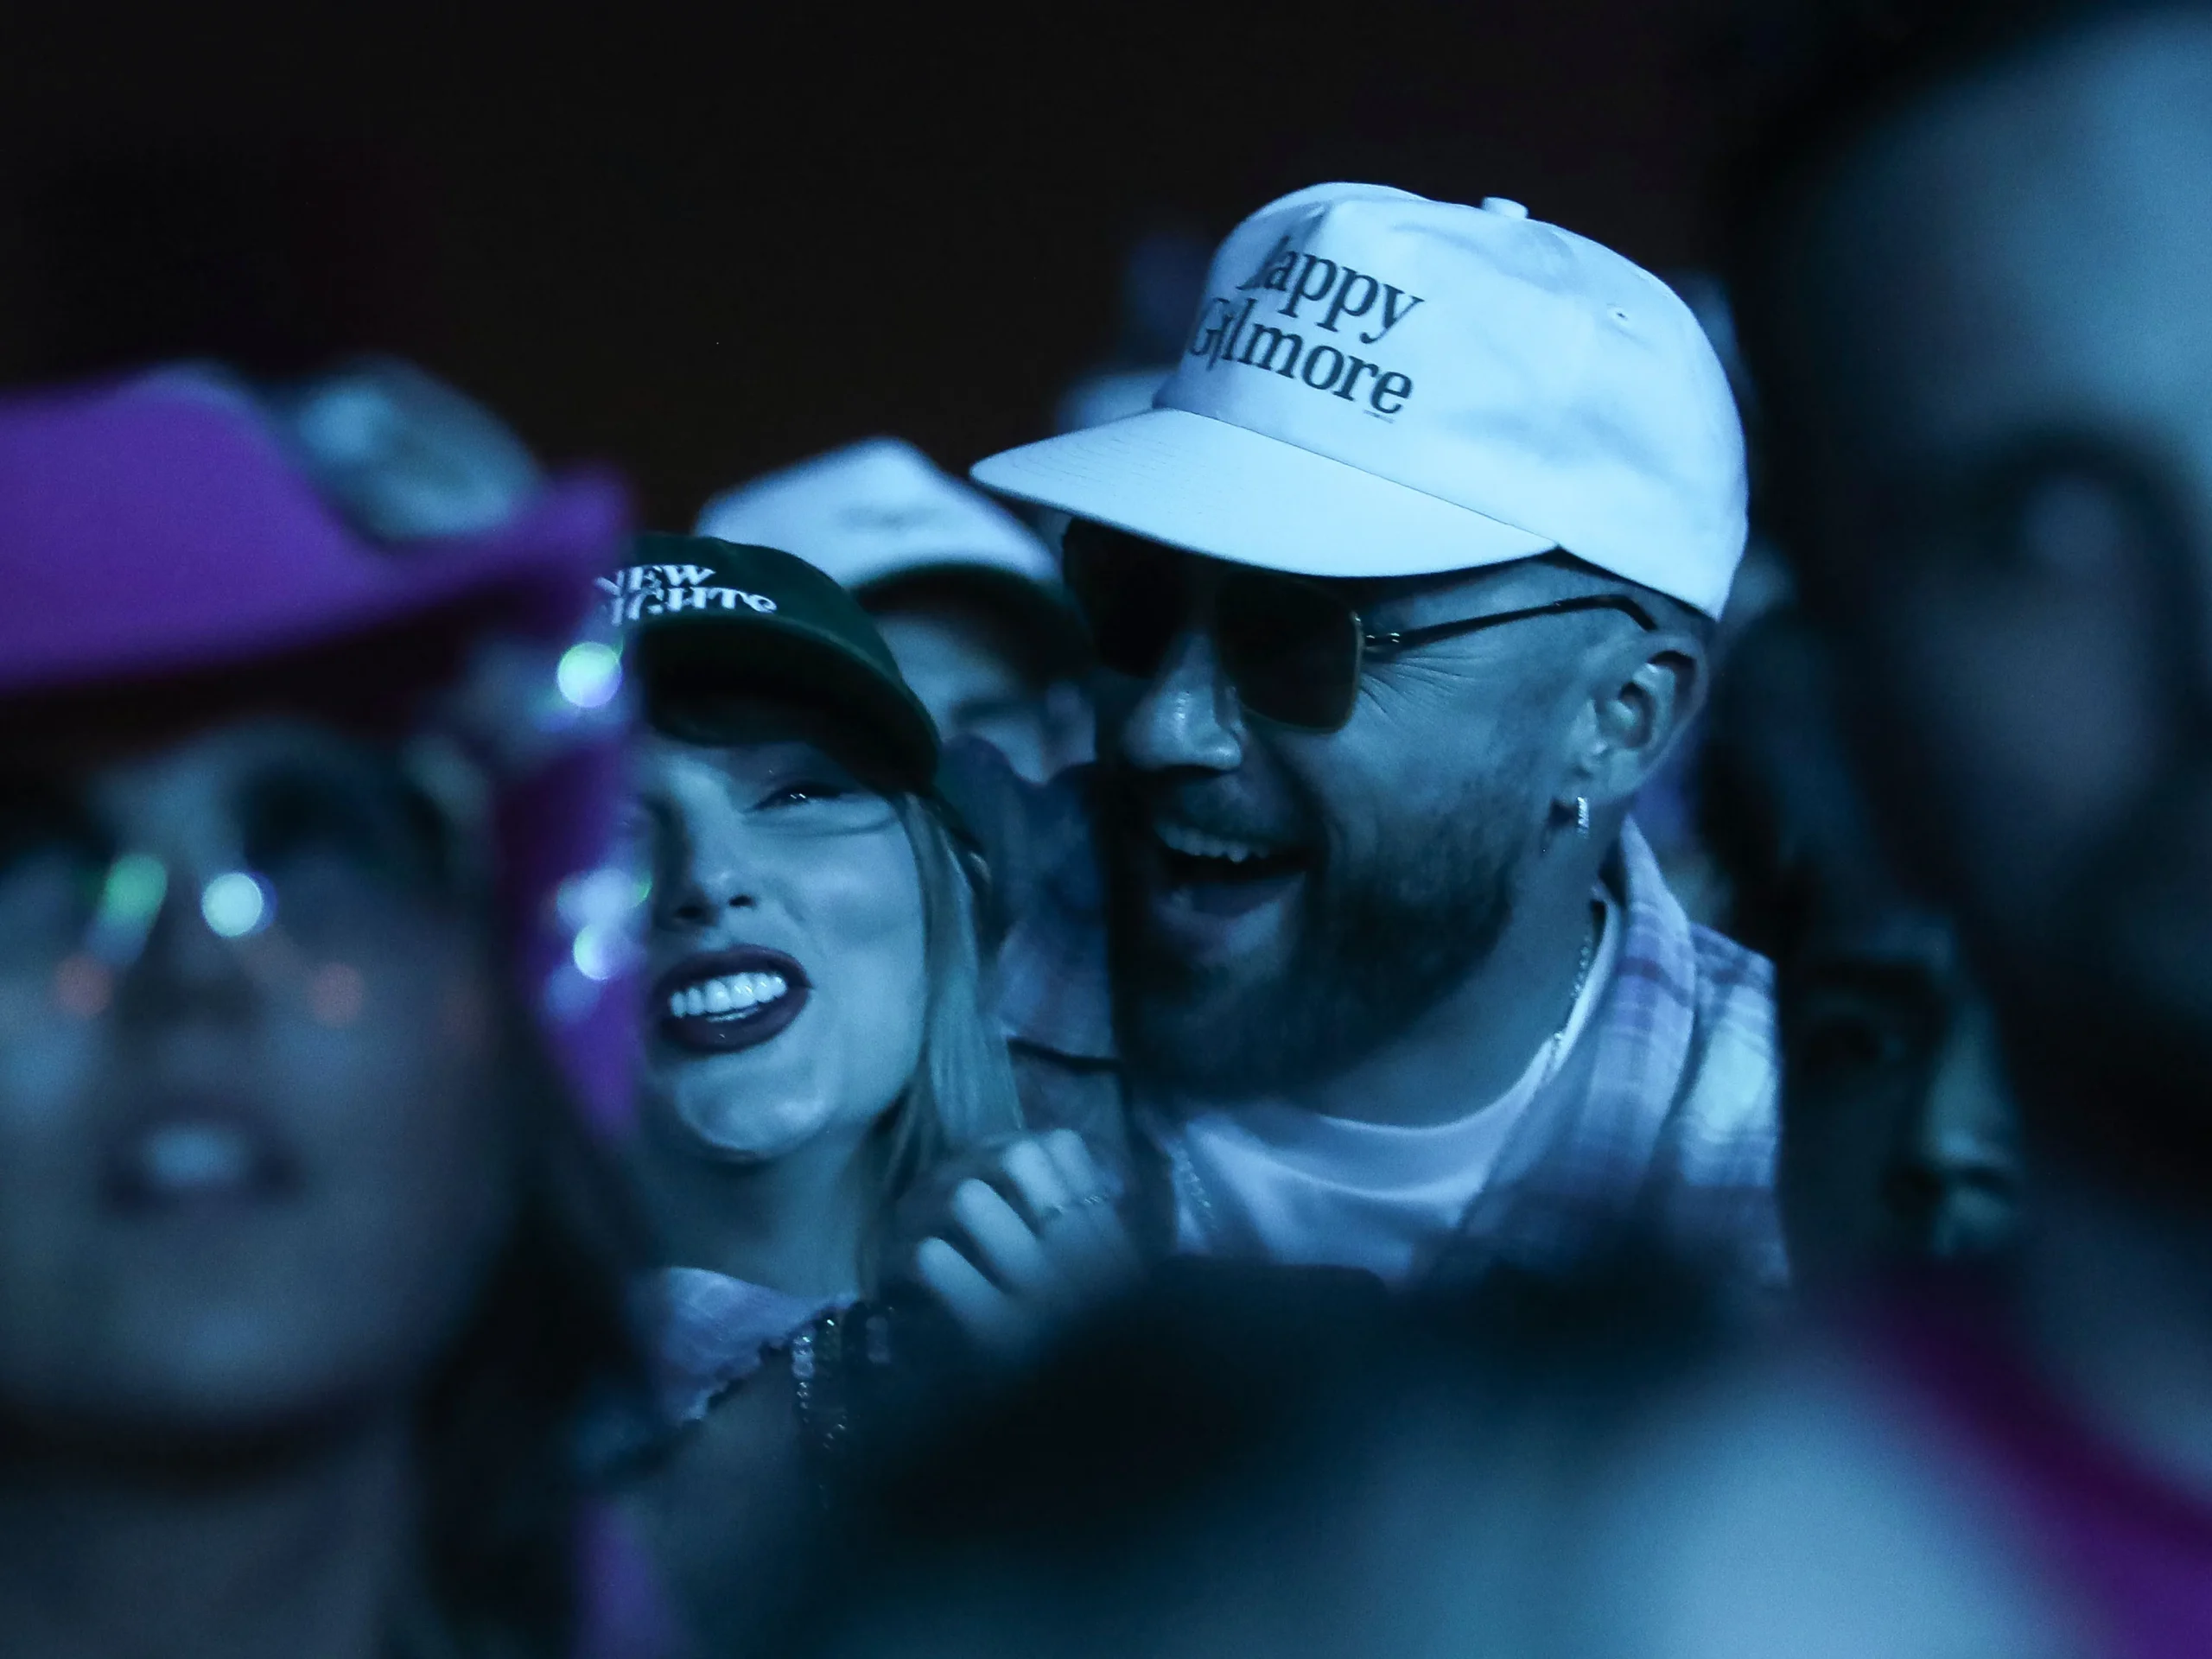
(962, 1093)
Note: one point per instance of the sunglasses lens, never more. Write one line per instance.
(1292, 650)
(1129, 592)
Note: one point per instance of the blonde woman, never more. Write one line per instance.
(816, 1048)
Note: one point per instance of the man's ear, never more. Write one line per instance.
(1643, 695)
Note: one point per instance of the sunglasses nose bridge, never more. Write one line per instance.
(1188, 715)
(1198, 596)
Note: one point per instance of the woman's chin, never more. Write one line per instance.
(755, 1134)
(758, 1107)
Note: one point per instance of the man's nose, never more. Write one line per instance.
(1188, 716)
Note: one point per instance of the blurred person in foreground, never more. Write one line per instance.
(1402, 589)
(1977, 293)
(1899, 1141)
(817, 1045)
(966, 596)
(1281, 1465)
(311, 1274)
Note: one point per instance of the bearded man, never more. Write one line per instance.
(1400, 590)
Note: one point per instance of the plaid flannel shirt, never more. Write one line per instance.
(1661, 1128)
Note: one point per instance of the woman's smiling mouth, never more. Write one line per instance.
(720, 1001)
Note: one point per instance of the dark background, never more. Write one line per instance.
(702, 243)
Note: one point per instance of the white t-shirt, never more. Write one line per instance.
(1282, 1184)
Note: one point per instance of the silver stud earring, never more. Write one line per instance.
(1582, 816)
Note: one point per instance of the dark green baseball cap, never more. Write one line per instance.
(702, 614)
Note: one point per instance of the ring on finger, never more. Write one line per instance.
(1054, 1212)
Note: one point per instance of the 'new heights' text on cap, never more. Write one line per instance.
(700, 612)
(875, 510)
(1379, 384)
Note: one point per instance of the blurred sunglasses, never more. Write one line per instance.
(1293, 648)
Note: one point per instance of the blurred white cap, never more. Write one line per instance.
(874, 510)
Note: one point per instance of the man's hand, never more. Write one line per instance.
(1031, 1244)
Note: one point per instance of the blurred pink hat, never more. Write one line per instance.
(157, 531)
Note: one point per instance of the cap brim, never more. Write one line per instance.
(1206, 486)
(531, 578)
(856, 573)
(789, 659)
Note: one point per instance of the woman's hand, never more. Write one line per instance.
(1031, 1244)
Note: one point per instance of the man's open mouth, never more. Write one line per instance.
(1222, 873)
(723, 1001)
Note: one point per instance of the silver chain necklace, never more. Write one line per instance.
(1590, 937)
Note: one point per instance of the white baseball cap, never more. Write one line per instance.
(874, 510)
(1378, 385)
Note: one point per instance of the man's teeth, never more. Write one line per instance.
(1196, 843)
(731, 995)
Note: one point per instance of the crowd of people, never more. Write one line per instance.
(1092, 1059)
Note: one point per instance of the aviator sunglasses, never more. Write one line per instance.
(1292, 647)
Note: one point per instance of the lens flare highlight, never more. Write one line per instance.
(589, 674)
(237, 904)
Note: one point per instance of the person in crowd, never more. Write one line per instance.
(1899, 1143)
(1976, 279)
(817, 1044)
(311, 1020)
(966, 596)
(1349, 945)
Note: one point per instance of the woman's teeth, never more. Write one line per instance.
(731, 996)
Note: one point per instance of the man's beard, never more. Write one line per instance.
(1377, 947)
